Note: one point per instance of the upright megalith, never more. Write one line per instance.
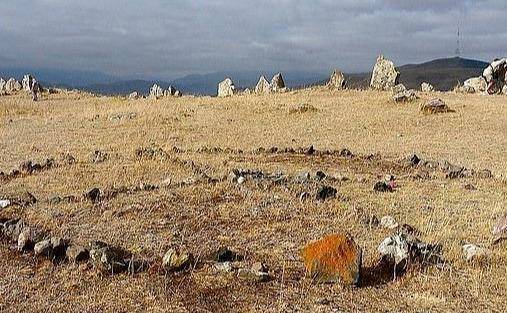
(12, 85)
(26, 82)
(156, 92)
(2, 85)
(226, 88)
(384, 76)
(277, 83)
(337, 80)
(262, 86)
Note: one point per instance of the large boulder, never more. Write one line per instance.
(226, 88)
(156, 91)
(334, 258)
(477, 83)
(277, 83)
(337, 80)
(262, 86)
(384, 76)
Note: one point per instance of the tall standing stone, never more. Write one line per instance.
(12, 85)
(226, 88)
(277, 83)
(262, 86)
(337, 80)
(384, 76)
(2, 84)
(156, 91)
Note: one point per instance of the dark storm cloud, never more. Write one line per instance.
(164, 39)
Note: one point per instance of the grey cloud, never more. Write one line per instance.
(166, 39)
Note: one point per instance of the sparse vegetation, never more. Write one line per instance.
(172, 179)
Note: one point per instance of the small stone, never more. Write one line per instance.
(435, 106)
(224, 267)
(337, 80)
(77, 254)
(224, 254)
(320, 175)
(302, 177)
(94, 195)
(241, 180)
(414, 159)
(4, 203)
(174, 260)
(500, 227)
(99, 157)
(303, 196)
(326, 192)
(470, 187)
(427, 87)
(55, 200)
(334, 258)
(43, 247)
(388, 222)
(371, 220)
(277, 83)
(107, 258)
(382, 187)
(473, 252)
(484, 174)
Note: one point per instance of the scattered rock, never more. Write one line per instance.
(334, 258)
(224, 254)
(224, 267)
(303, 196)
(67, 159)
(346, 153)
(382, 187)
(258, 272)
(262, 86)
(226, 88)
(241, 180)
(477, 84)
(406, 247)
(413, 159)
(28, 237)
(302, 177)
(473, 252)
(43, 248)
(470, 187)
(4, 203)
(337, 80)
(326, 192)
(77, 254)
(94, 195)
(484, 174)
(98, 156)
(122, 116)
(320, 176)
(302, 108)
(277, 83)
(500, 228)
(388, 222)
(134, 95)
(427, 87)
(384, 76)
(435, 106)
(371, 220)
(405, 96)
(107, 258)
(151, 153)
(175, 260)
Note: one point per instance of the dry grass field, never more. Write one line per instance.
(198, 208)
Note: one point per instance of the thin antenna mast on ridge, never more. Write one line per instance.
(458, 43)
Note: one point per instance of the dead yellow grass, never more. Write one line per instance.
(264, 222)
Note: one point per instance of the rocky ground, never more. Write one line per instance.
(263, 176)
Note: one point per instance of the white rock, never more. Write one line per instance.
(241, 180)
(472, 252)
(4, 203)
(262, 86)
(427, 87)
(388, 222)
(384, 76)
(226, 88)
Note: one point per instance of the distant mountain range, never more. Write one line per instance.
(444, 74)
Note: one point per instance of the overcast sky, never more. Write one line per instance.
(171, 38)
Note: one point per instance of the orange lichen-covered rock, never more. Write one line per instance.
(334, 258)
